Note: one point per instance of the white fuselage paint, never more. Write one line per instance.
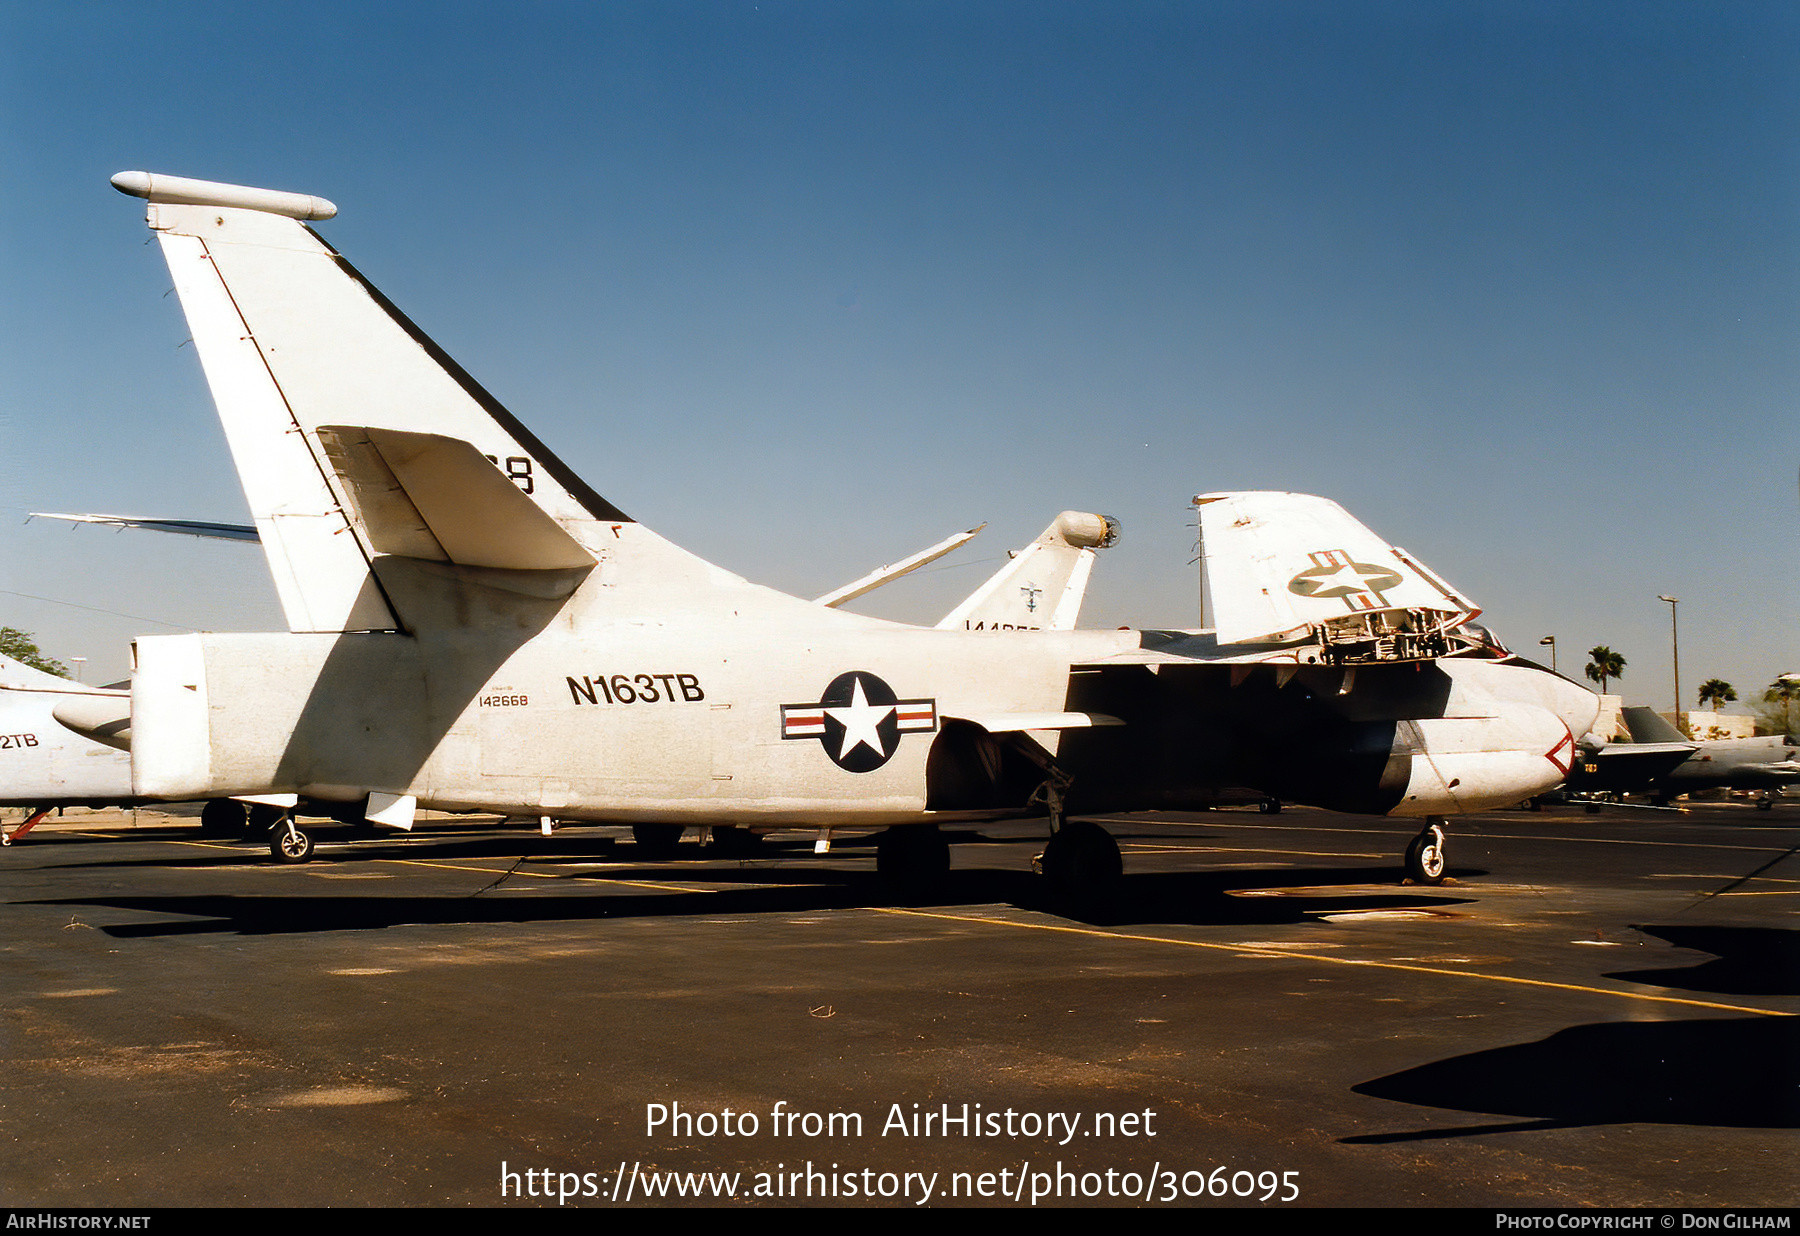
(44, 764)
(685, 722)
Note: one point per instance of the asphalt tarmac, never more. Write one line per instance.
(1597, 1010)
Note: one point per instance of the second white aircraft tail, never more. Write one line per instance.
(1042, 587)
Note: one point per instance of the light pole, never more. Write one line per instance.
(1675, 655)
(1550, 640)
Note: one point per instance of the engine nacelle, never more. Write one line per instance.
(1454, 736)
(1452, 765)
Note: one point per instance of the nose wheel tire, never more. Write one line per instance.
(289, 845)
(1425, 856)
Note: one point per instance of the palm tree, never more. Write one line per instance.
(1716, 691)
(1782, 693)
(1604, 663)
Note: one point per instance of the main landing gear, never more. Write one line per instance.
(1425, 853)
(1081, 860)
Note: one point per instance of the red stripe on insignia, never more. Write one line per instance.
(802, 722)
(917, 715)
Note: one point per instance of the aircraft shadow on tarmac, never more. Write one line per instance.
(1297, 894)
(1747, 961)
(1724, 1072)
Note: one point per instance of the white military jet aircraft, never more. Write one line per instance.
(473, 628)
(63, 744)
(74, 741)
(43, 763)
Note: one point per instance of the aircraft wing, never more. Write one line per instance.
(186, 527)
(1281, 566)
(1626, 767)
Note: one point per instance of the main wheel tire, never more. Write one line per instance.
(223, 817)
(1425, 857)
(657, 840)
(1269, 806)
(734, 841)
(1083, 863)
(290, 845)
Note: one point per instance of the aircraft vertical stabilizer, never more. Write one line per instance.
(350, 427)
(1041, 589)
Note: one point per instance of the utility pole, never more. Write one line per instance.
(1675, 655)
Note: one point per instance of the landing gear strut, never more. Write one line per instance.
(1081, 859)
(1425, 854)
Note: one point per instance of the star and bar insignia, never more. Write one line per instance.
(1333, 574)
(858, 721)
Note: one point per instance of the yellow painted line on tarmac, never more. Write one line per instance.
(1136, 846)
(488, 871)
(542, 875)
(1453, 832)
(1242, 949)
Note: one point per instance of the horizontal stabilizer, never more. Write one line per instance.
(1042, 587)
(888, 574)
(186, 527)
(1279, 566)
(102, 718)
(426, 496)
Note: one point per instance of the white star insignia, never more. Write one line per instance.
(859, 721)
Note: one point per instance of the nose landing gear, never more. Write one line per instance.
(1425, 862)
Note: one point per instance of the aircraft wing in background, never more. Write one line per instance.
(187, 527)
(1281, 567)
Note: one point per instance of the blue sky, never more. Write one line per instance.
(808, 286)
